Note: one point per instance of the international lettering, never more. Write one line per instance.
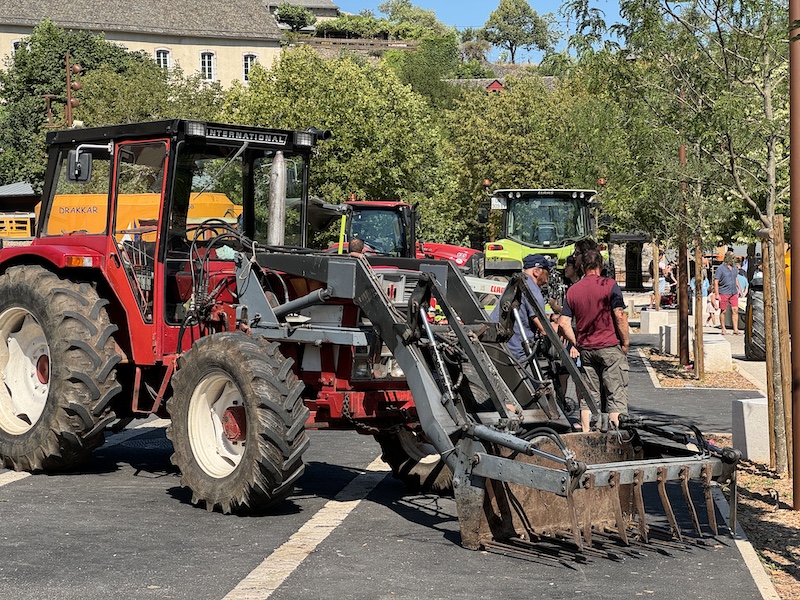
(248, 136)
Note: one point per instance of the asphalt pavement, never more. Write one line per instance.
(122, 526)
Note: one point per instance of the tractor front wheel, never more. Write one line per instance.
(238, 423)
(58, 365)
(414, 461)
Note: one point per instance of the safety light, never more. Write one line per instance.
(303, 138)
(80, 261)
(195, 128)
(495, 247)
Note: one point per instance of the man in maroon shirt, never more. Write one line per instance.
(598, 309)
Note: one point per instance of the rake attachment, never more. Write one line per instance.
(598, 491)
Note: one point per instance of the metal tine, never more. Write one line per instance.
(712, 513)
(613, 481)
(587, 515)
(638, 503)
(684, 475)
(661, 476)
(576, 528)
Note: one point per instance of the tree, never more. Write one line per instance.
(716, 75)
(295, 16)
(435, 59)
(384, 144)
(146, 92)
(411, 22)
(528, 136)
(515, 25)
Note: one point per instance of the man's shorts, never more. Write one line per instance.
(725, 299)
(609, 366)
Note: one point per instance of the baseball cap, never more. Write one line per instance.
(537, 260)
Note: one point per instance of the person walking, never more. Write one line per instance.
(726, 288)
(597, 306)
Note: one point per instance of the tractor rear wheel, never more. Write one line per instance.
(58, 363)
(414, 461)
(238, 423)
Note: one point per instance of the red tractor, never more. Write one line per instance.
(389, 227)
(244, 338)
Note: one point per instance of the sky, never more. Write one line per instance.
(475, 13)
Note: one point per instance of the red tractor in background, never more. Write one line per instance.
(244, 337)
(391, 227)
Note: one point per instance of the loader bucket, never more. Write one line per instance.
(515, 511)
(595, 502)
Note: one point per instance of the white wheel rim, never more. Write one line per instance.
(212, 402)
(25, 370)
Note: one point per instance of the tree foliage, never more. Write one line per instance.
(145, 92)
(363, 25)
(514, 25)
(384, 143)
(426, 69)
(403, 21)
(295, 16)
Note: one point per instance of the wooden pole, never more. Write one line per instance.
(782, 306)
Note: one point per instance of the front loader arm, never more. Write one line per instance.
(509, 450)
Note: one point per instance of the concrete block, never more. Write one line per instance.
(750, 428)
(651, 320)
(668, 339)
(717, 354)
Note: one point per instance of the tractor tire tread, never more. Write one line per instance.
(82, 382)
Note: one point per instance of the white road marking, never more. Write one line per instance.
(12, 476)
(111, 440)
(276, 568)
(650, 370)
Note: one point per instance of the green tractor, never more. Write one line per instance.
(540, 221)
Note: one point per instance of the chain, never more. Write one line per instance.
(349, 417)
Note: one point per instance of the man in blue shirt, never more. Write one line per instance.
(726, 287)
(537, 270)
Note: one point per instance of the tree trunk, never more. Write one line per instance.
(699, 362)
(774, 366)
(656, 274)
(782, 307)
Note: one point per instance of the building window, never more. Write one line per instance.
(15, 45)
(249, 61)
(207, 65)
(163, 58)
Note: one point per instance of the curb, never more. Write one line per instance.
(650, 370)
(760, 385)
(746, 550)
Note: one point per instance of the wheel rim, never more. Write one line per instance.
(25, 369)
(217, 425)
(417, 447)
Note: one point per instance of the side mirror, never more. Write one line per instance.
(483, 215)
(606, 220)
(79, 166)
